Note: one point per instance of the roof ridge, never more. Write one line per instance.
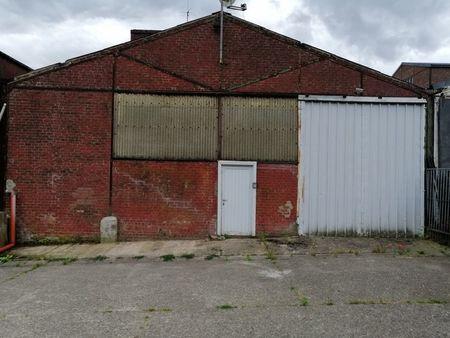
(111, 49)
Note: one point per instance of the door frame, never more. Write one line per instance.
(221, 164)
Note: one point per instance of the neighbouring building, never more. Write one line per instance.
(425, 75)
(9, 68)
(158, 133)
(435, 77)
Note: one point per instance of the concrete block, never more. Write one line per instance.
(3, 230)
(108, 229)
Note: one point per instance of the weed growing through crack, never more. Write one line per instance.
(187, 256)
(167, 258)
(270, 254)
(368, 301)
(329, 301)
(138, 257)
(98, 258)
(226, 307)
(6, 258)
(401, 250)
(303, 300)
(429, 301)
(211, 257)
(379, 248)
(248, 258)
(153, 309)
(356, 252)
(340, 251)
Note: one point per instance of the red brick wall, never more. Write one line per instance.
(59, 150)
(440, 74)
(164, 199)
(276, 198)
(132, 75)
(94, 74)
(421, 75)
(179, 199)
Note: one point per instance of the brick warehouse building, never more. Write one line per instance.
(150, 129)
(9, 68)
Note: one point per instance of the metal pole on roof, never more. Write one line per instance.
(221, 33)
(2, 111)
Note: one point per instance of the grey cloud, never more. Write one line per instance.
(379, 33)
(384, 30)
(25, 15)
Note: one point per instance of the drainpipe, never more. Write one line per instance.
(10, 185)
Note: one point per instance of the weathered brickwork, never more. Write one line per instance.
(93, 73)
(59, 146)
(60, 124)
(276, 198)
(131, 75)
(164, 199)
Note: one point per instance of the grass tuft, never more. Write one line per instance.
(211, 257)
(167, 258)
(379, 248)
(329, 301)
(226, 307)
(98, 258)
(303, 300)
(187, 256)
(6, 258)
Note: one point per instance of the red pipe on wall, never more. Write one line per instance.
(12, 228)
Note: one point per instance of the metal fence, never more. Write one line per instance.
(437, 185)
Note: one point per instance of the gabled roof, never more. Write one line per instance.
(214, 16)
(114, 49)
(12, 60)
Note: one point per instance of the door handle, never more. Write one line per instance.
(223, 201)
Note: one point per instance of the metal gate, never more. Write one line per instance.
(438, 204)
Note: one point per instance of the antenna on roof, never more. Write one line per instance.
(228, 4)
(188, 10)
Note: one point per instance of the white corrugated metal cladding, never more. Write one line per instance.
(361, 166)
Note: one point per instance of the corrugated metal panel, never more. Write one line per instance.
(361, 168)
(261, 129)
(165, 127)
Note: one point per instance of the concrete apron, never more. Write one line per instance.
(271, 247)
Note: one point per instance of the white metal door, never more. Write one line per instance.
(237, 198)
(361, 166)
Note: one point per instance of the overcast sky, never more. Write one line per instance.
(377, 33)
